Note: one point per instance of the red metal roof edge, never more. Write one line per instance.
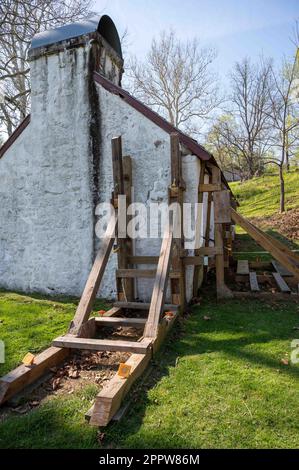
(13, 137)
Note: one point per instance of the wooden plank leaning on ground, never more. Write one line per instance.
(110, 398)
(267, 243)
(281, 283)
(22, 376)
(254, 286)
(94, 279)
(243, 266)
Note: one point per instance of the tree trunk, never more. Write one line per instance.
(287, 161)
(281, 179)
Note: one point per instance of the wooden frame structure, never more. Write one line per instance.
(82, 330)
(171, 266)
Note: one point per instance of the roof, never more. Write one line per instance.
(102, 24)
(14, 135)
(191, 144)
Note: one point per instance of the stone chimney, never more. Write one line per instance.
(57, 158)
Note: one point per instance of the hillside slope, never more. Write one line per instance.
(259, 202)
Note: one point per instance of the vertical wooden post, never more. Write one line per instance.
(127, 170)
(208, 227)
(198, 268)
(118, 190)
(176, 192)
(221, 211)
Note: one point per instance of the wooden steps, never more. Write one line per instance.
(281, 283)
(254, 286)
(143, 306)
(280, 268)
(119, 321)
(243, 267)
(73, 342)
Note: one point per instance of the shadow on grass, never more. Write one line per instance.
(199, 338)
(241, 332)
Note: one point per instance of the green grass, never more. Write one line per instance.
(259, 197)
(29, 323)
(218, 383)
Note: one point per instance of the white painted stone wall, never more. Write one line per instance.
(149, 147)
(47, 211)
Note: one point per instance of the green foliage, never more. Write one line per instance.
(29, 323)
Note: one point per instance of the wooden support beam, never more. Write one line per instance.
(222, 290)
(93, 283)
(160, 286)
(73, 342)
(222, 207)
(280, 269)
(267, 243)
(281, 283)
(115, 322)
(126, 245)
(143, 259)
(110, 398)
(144, 306)
(209, 188)
(143, 273)
(208, 228)
(198, 267)
(22, 376)
(243, 267)
(254, 286)
(176, 195)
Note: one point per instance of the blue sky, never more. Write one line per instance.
(235, 28)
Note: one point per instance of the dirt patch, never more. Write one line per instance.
(81, 369)
(287, 224)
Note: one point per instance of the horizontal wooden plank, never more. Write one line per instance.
(22, 376)
(281, 283)
(112, 395)
(207, 188)
(254, 286)
(118, 321)
(243, 267)
(143, 306)
(143, 259)
(73, 342)
(143, 273)
(280, 269)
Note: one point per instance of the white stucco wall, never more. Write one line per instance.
(149, 147)
(45, 202)
(47, 207)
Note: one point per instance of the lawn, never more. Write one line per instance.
(218, 383)
(259, 202)
(259, 197)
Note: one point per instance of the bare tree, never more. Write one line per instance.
(248, 129)
(176, 80)
(224, 145)
(19, 22)
(285, 119)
